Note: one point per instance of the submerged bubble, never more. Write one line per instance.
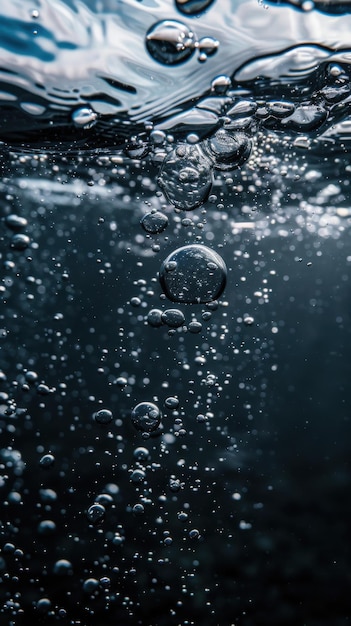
(154, 222)
(228, 149)
(198, 276)
(15, 222)
(96, 513)
(186, 177)
(104, 416)
(170, 42)
(154, 318)
(193, 7)
(20, 241)
(84, 117)
(146, 416)
(173, 318)
(47, 461)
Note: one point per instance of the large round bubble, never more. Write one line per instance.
(193, 274)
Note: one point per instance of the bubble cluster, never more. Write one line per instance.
(186, 177)
(193, 274)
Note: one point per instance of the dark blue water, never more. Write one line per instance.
(175, 317)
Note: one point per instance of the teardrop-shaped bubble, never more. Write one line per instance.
(186, 177)
(197, 275)
(84, 117)
(193, 7)
(228, 149)
(170, 42)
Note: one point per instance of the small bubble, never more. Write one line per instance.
(171, 402)
(20, 241)
(104, 416)
(208, 46)
(135, 301)
(146, 417)
(15, 222)
(47, 461)
(90, 585)
(96, 513)
(248, 320)
(46, 527)
(221, 84)
(228, 149)
(84, 117)
(195, 327)
(138, 509)
(154, 222)
(199, 275)
(141, 453)
(170, 42)
(193, 7)
(154, 318)
(137, 476)
(63, 567)
(173, 318)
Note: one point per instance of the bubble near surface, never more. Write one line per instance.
(228, 149)
(193, 274)
(170, 42)
(146, 416)
(84, 117)
(186, 177)
(193, 7)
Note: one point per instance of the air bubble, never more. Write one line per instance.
(199, 275)
(20, 241)
(228, 149)
(193, 7)
(104, 416)
(172, 403)
(47, 461)
(146, 417)
(170, 42)
(186, 177)
(221, 84)
(173, 318)
(63, 567)
(15, 222)
(84, 117)
(154, 222)
(154, 318)
(96, 513)
(195, 327)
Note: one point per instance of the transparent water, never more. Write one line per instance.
(175, 319)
